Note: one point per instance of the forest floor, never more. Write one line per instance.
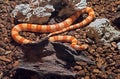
(107, 57)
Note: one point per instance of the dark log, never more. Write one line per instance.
(44, 70)
(68, 54)
(47, 60)
(116, 20)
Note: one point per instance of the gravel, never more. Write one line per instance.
(106, 56)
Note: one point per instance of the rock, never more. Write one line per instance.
(99, 50)
(118, 76)
(117, 64)
(112, 64)
(116, 57)
(82, 63)
(91, 51)
(27, 13)
(100, 62)
(116, 20)
(103, 31)
(54, 60)
(3, 58)
(96, 71)
(80, 59)
(81, 73)
(72, 6)
(111, 76)
(116, 71)
(2, 44)
(2, 50)
(97, 5)
(1, 75)
(16, 63)
(118, 44)
(5, 77)
(8, 52)
(1, 26)
(39, 11)
(117, 2)
(102, 76)
(78, 68)
(114, 44)
(87, 77)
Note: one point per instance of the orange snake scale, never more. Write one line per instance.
(56, 29)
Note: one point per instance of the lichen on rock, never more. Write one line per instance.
(33, 12)
(103, 31)
(39, 11)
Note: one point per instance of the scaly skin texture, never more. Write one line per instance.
(55, 29)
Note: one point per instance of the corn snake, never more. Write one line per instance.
(55, 29)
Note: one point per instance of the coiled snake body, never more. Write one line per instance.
(55, 29)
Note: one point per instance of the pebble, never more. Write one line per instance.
(77, 36)
(71, 33)
(118, 76)
(89, 41)
(15, 63)
(117, 71)
(1, 75)
(91, 50)
(87, 77)
(96, 71)
(100, 62)
(117, 2)
(116, 57)
(10, 66)
(5, 77)
(2, 50)
(102, 75)
(8, 52)
(111, 56)
(97, 5)
(82, 63)
(11, 47)
(3, 58)
(92, 67)
(78, 30)
(4, 30)
(99, 50)
(111, 76)
(112, 64)
(7, 47)
(81, 73)
(78, 68)
(114, 44)
(110, 61)
(117, 64)
(2, 26)
(2, 44)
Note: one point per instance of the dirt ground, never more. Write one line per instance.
(107, 56)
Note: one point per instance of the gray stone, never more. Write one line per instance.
(39, 11)
(104, 30)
